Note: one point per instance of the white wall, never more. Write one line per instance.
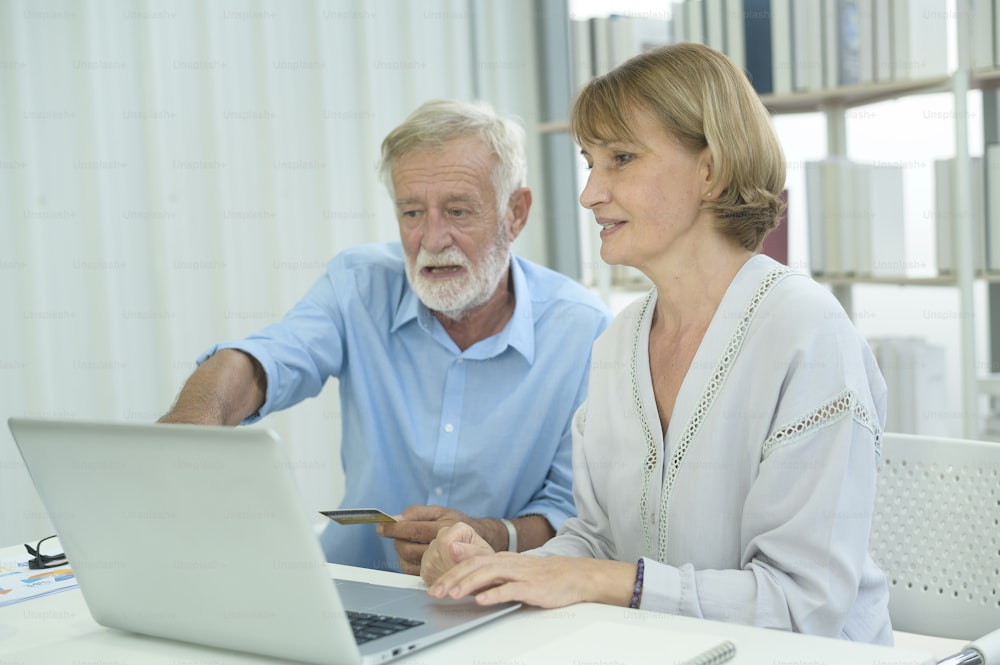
(173, 174)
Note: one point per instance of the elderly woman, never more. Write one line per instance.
(725, 459)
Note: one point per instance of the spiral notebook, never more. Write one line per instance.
(613, 642)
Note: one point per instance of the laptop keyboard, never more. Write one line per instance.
(369, 627)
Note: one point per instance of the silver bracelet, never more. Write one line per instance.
(511, 534)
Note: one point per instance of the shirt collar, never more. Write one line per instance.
(519, 333)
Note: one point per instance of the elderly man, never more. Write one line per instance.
(460, 364)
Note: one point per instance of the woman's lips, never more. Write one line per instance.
(609, 226)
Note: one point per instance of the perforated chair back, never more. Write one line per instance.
(936, 534)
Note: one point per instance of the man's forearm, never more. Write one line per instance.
(224, 390)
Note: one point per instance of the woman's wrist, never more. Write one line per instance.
(610, 582)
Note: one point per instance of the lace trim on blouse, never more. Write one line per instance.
(843, 405)
(652, 458)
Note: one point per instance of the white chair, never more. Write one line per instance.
(936, 534)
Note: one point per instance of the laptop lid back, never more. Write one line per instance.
(138, 510)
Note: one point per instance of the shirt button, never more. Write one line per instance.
(438, 491)
(449, 427)
(460, 361)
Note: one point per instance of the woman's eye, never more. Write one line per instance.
(623, 158)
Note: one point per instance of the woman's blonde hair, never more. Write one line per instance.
(702, 100)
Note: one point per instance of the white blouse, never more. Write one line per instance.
(756, 506)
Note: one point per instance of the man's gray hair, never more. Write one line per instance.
(437, 122)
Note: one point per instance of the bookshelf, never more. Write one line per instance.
(834, 102)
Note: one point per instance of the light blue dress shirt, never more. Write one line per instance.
(486, 431)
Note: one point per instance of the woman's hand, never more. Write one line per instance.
(453, 544)
(544, 581)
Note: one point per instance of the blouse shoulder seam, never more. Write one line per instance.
(845, 404)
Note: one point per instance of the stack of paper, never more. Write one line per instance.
(18, 582)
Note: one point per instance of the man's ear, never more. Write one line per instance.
(517, 211)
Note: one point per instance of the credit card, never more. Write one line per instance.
(357, 516)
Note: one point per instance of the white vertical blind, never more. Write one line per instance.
(174, 174)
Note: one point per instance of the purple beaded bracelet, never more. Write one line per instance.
(637, 591)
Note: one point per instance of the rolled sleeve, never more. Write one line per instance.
(259, 353)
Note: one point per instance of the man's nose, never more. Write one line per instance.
(438, 232)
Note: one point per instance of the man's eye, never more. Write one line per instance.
(410, 213)
(457, 212)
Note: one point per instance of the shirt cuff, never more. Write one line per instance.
(662, 587)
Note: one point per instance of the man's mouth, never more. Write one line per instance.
(438, 270)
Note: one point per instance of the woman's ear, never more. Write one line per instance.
(712, 187)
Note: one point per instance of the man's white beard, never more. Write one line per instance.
(456, 296)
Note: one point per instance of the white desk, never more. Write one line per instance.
(58, 629)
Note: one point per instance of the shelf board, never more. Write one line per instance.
(553, 127)
(989, 384)
(844, 96)
(853, 95)
(984, 78)
(949, 279)
(979, 275)
(900, 280)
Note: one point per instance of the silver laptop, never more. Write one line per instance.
(198, 534)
